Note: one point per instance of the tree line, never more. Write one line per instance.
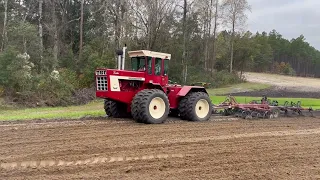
(50, 49)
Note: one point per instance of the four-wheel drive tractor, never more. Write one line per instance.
(144, 92)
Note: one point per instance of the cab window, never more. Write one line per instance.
(166, 67)
(157, 66)
(150, 65)
(138, 63)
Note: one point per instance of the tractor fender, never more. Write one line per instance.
(186, 89)
(157, 86)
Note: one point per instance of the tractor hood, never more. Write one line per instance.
(131, 75)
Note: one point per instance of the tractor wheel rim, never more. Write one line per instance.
(202, 108)
(157, 107)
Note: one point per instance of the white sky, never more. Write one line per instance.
(291, 18)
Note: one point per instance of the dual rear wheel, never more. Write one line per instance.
(196, 106)
(152, 107)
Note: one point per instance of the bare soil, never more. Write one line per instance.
(302, 84)
(283, 86)
(286, 148)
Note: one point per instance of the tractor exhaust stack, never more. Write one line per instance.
(119, 53)
(121, 57)
(124, 56)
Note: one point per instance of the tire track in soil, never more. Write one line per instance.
(104, 121)
(39, 164)
(257, 149)
(91, 161)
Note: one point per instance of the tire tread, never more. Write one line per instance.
(186, 105)
(140, 104)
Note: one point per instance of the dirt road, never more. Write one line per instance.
(109, 149)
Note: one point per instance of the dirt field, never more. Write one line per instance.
(298, 83)
(282, 86)
(110, 149)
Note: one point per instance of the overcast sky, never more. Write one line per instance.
(291, 18)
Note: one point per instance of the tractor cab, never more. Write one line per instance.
(155, 65)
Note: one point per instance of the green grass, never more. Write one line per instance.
(93, 109)
(238, 87)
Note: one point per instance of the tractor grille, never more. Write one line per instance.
(101, 73)
(102, 83)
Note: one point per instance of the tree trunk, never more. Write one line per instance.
(4, 33)
(152, 20)
(186, 74)
(40, 35)
(184, 60)
(209, 34)
(23, 37)
(205, 38)
(214, 38)
(55, 35)
(81, 32)
(117, 30)
(232, 44)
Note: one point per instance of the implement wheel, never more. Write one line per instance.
(150, 106)
(276, 113)
(196, 106)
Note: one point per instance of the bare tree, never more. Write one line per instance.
(209, 6)
(40, 33)
(236, 16)
(4, 32)
(150, 16)
(215, 26)
(207, 11)
(115, 10)
(54, 32)
(184, 29)
(81, 31)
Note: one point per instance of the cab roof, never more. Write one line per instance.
(150, 54)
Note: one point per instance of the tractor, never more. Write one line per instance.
(144, 93)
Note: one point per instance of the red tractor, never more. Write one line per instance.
(144, 93)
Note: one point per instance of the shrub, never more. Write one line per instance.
(217, 79)
(283, 68)
(224, 77)
(288, 70)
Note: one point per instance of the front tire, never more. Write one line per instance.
(196, 106)
(115, 109)
(150, 106)
(107, 105)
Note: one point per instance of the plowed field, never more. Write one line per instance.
(287, 148)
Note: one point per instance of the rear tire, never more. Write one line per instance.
(150, 106)
(196, 106)
(115, 109)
